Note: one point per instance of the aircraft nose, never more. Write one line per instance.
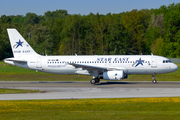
(175, 67)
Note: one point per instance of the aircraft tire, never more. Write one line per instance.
(93, 81)
(97, 80)
(154, 81)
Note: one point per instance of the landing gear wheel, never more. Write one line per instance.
(93, 81)
(97, 80)
(154, 81)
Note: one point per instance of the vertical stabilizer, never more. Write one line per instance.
(19, 45)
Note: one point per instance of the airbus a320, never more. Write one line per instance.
(108, 67)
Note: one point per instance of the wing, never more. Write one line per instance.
(90, 69)
(97, 69)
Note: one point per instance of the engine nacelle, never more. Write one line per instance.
(113, 75)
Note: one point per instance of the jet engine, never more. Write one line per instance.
(113, 75)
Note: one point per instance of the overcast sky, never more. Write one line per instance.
(83, 7)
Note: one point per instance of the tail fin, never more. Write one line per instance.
(19, 45)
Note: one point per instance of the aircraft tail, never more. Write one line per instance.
(19, 45)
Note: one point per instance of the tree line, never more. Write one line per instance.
(135, 32)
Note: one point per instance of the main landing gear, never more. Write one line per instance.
(95, 80)
(154, 80)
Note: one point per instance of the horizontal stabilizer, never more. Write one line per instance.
(14, 60)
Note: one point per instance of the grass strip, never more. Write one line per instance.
(14, 91)
(96, 109)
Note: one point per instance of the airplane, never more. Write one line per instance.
(107, 67)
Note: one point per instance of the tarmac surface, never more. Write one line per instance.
(78, 90)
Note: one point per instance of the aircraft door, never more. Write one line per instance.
(39, 62)
(153, 62)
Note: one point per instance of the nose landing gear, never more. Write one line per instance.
(154, 80)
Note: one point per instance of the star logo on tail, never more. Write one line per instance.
(19, 44)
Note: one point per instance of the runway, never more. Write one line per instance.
(78, 90)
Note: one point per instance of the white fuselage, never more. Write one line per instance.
(127, 63)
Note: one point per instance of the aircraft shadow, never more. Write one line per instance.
(54, 82)
(107, 83)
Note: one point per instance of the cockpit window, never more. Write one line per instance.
(166, 61)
